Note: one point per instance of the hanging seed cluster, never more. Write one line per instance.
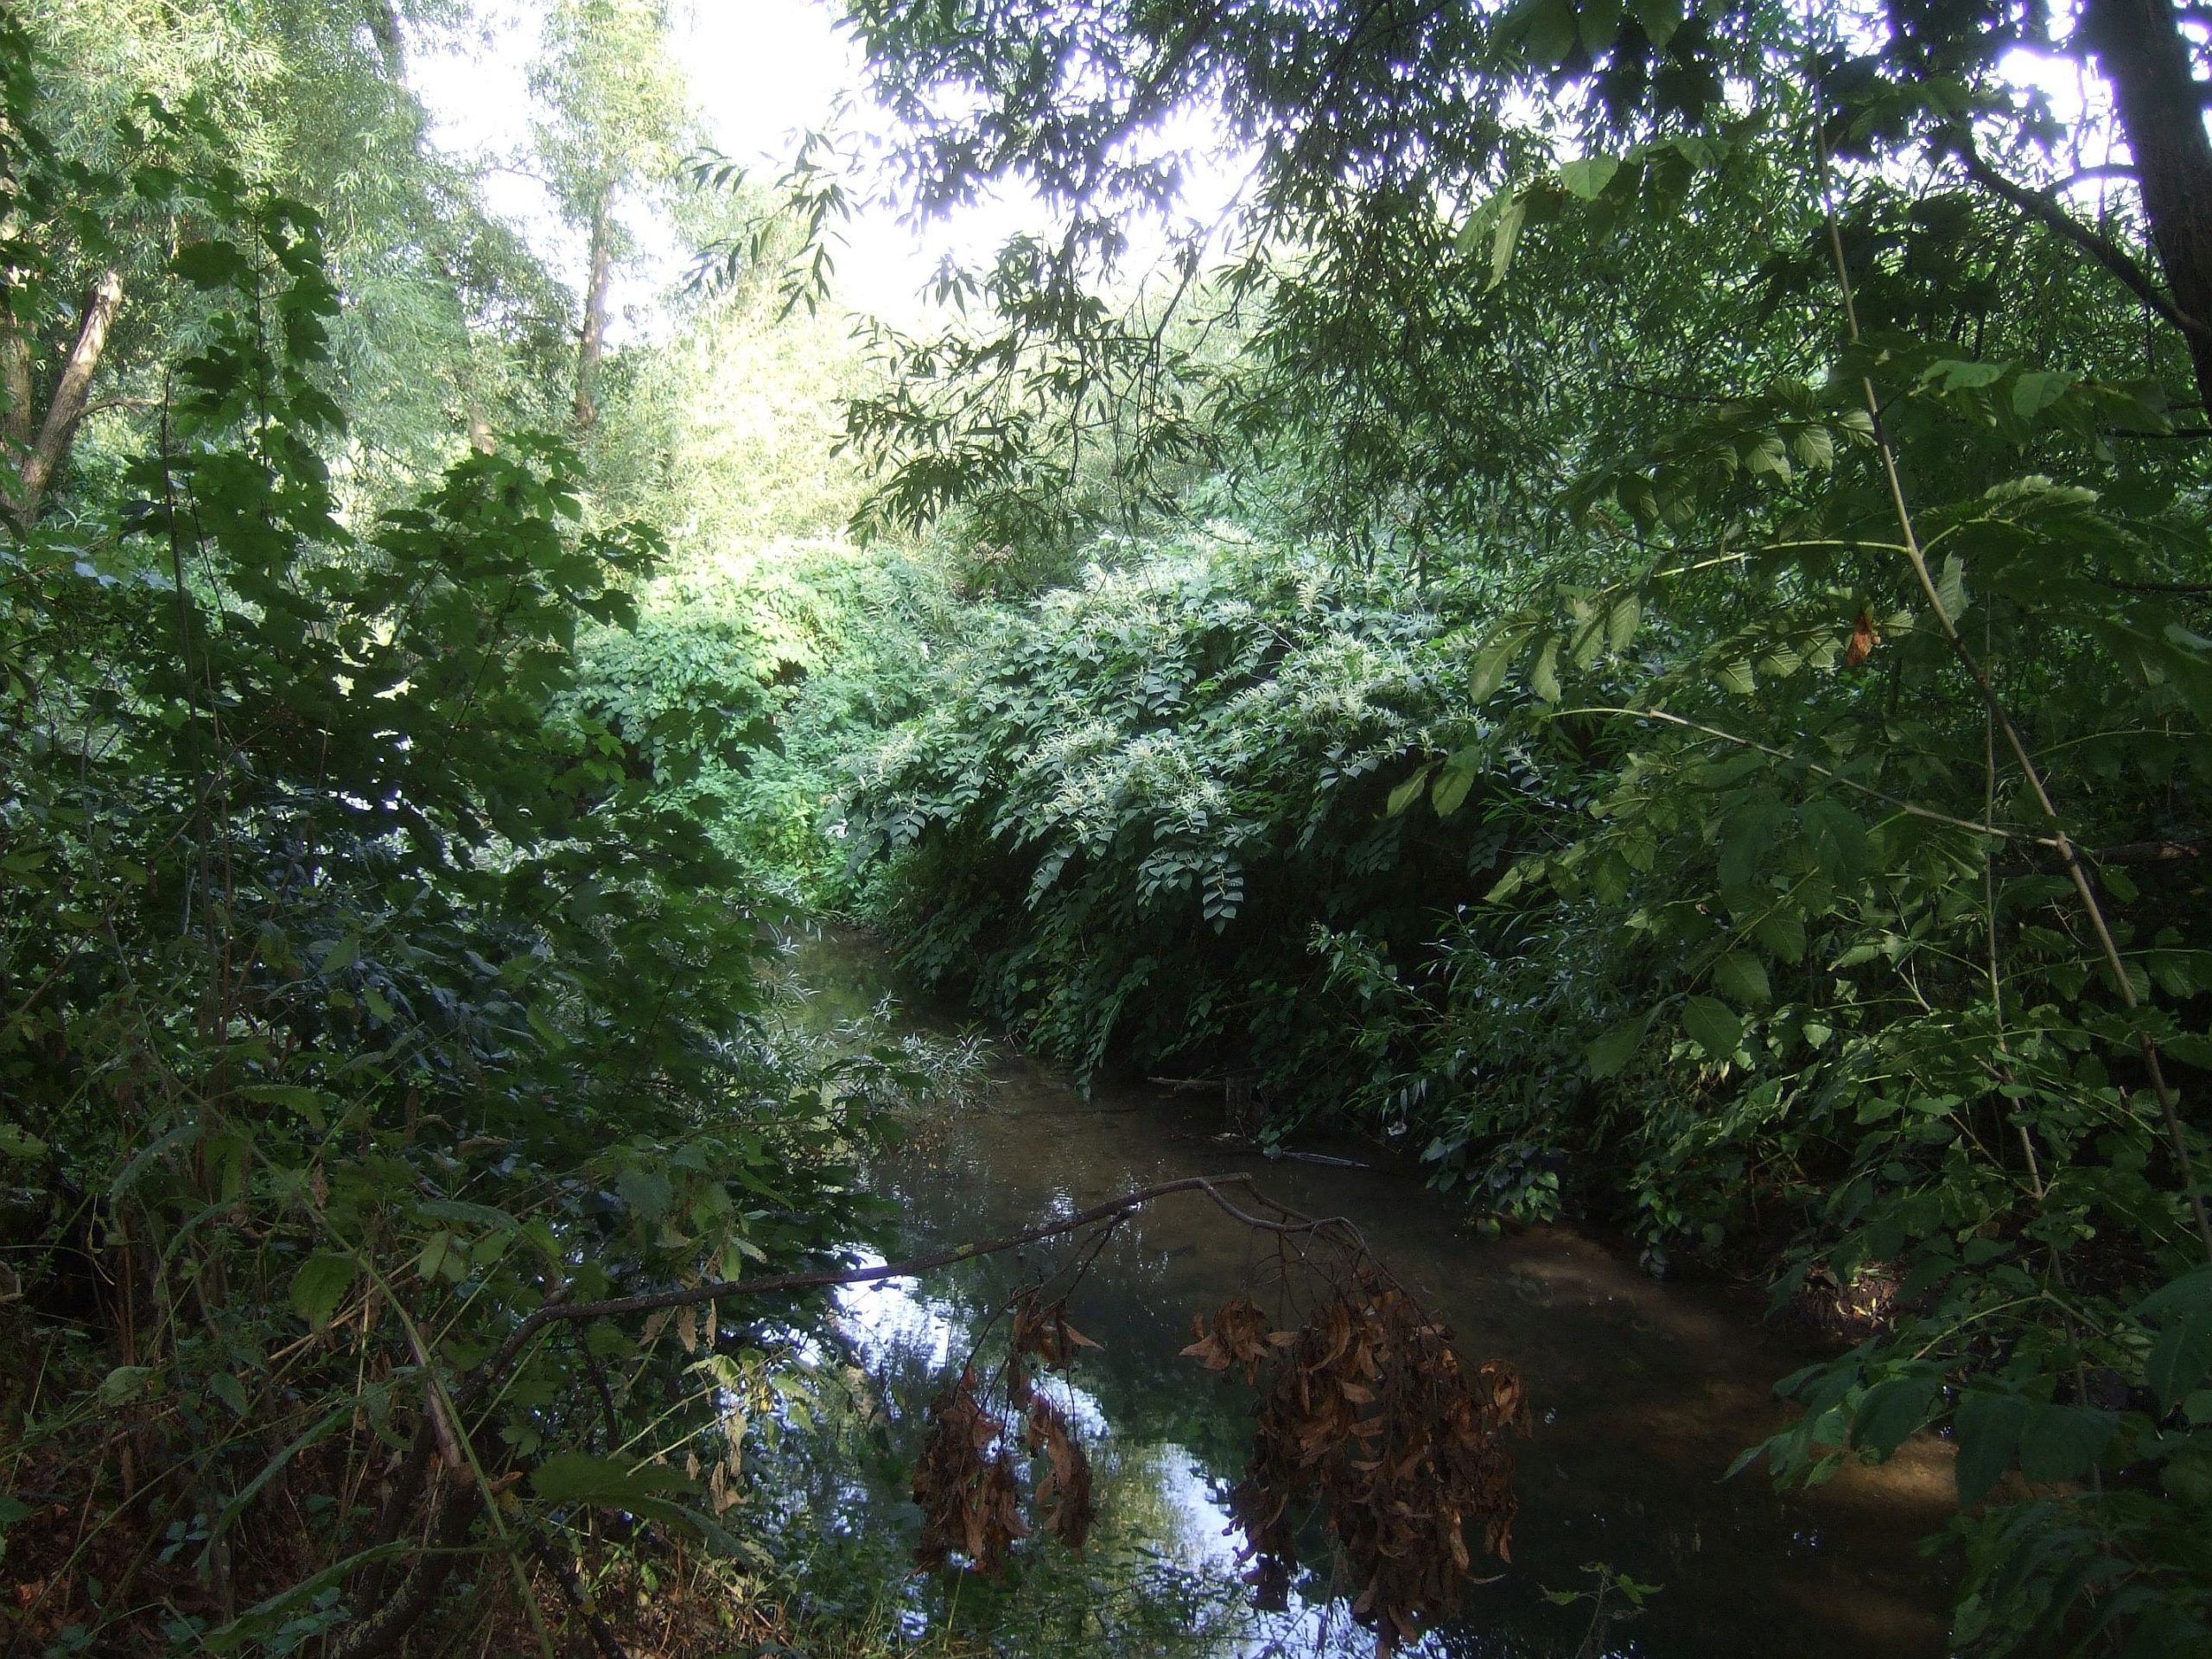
(967, 1482)
(1366, 1409)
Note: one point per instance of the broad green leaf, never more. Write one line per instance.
(1837, 838)
(1713, 1025)
(1452, 786)
(1543, 676)
(1598, 22)
(127, 1383)
(1745, 838)
(1958, 375)
(2179, 1357)
(1588, 177)
(646, 1191)
(1890, 1412)
(321, 1284)
(1987, 1429)
(1406, 793)
(1951, 588)
(1621, 622)
(1742, 977)
(2037, 390)
(2063, 1442)
(1614, 1051)
(1491, 664)
(1782, 933)
(1660, 19)
(232, 1392)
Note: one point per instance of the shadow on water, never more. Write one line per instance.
(1642, 1394)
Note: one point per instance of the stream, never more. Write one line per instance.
(1642, 1394)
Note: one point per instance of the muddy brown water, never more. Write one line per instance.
(1643, 1392)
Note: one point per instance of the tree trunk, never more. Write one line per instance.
(70, 393)
(15, 385)
(2140, 49)
(595, 334)
(384, 29)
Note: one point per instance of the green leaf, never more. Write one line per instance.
(2191, 1291)
(1951, 588)
(1782, 933)
(1749, 831)
(1406, 793)
(17, 1142)
(2179, 1357)
(580, 1478)
(645, 1191)
(1838, 839)
(1621, 621)
(212, 263)
(1506, 239)
(2063, 1442)
(1616, 1047)
(1588, 177)
(1987, 1429)
(1958, 375)
(1543, 677)
(126, 1382)
(1742, 977)
(1660, 18)
(232, 1392)
(1713, 1025)
(1491, 664)
(1452, 786)
(2037, 390)
(1890, 1412)
(321, 1284)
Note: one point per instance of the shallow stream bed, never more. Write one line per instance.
(1642, 1394)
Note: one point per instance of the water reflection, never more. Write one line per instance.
(1644, 1393)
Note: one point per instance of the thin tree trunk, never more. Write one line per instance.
(384, 29)
(480, 430)
(15, 385)
(595, 334)
(2143, 53)
(58, 429)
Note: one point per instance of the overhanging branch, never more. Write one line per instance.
(2047, 211)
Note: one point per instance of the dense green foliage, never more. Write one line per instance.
(1632, 620)
(365, 988)
(1796, 513)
